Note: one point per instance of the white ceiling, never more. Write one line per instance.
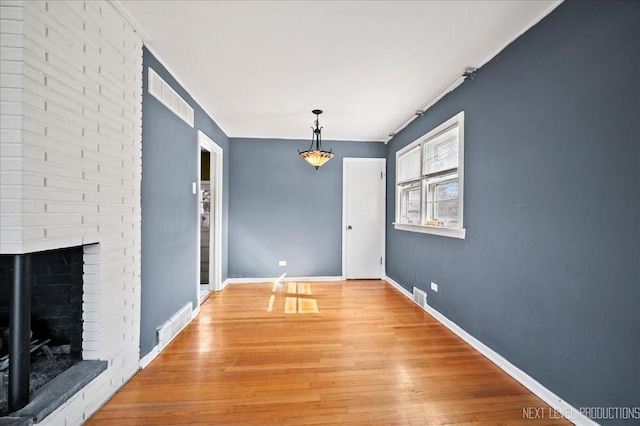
(260, 67)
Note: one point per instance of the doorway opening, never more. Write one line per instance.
(209, 217)
(205, 222)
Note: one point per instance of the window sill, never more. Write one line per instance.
(434, 230)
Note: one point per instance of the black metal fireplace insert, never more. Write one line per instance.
(40, 322)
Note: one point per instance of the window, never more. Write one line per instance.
(429, 181)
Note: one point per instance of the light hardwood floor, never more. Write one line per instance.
(259, 354)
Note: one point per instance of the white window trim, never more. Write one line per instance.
(433, 230)
(427, 229)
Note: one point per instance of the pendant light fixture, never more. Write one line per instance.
(316, 156)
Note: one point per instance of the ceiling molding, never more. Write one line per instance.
(117, 5)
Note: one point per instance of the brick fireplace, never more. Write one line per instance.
(56, 296)
(51, 324)
(70, 172)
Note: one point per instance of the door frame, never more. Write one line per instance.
(215, 184)
(383, 197)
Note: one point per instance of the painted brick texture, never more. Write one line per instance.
(11, 148)
(70, 171)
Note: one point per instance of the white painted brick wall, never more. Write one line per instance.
(70, 167)
(11, 148)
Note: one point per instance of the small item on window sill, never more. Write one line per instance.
(433, 223)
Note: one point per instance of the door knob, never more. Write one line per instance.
(349, 227)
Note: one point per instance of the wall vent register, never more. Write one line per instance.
(160, 90)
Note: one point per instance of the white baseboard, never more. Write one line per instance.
(564, 408)
(146, 360)
(398, 287)
(279, 279)
(224, 284)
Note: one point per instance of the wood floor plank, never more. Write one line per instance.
(351, 352)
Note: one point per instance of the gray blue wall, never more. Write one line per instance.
(169, 224)
(281, 208)
(549, 273)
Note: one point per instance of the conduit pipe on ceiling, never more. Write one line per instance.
(449, 87)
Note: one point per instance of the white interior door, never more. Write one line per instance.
(363, 218)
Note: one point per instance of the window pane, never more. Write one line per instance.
(411, 214)
(409, 165)
(410, 205)
(442, 202)
(444, 213)
(447, 210)
(447, 191)
(441, 152)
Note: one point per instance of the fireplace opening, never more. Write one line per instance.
(56, 286)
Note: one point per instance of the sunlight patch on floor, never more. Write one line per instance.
(272, 299)
(290, 305)
(307, 306)
(296, 300)
(304, 288)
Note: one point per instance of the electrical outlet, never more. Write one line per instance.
(434, 286)
(282, 263)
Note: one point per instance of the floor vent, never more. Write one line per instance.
(419, 297)
(175, 324)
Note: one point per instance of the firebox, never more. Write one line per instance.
(55, 285)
